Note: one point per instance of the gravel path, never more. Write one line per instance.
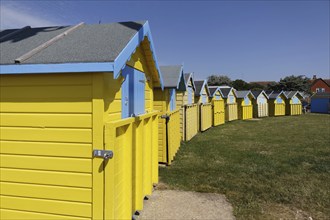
(174, 204)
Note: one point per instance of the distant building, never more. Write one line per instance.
(320, 102)
(320, 85)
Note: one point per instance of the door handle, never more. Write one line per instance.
(105, 154)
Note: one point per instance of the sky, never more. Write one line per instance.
(250, 40)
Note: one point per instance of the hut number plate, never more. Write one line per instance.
(105, 154)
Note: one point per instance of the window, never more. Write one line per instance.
(320, 89)
(246, 100)
(190, 95)
(278, 100)
(172, 100)
(133, 89)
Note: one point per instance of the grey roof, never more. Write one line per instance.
(290, 94)
(89, 43)
(243, 93)
(171, 75)
(198, 85)
(268, 92)
(275, 94)
(257, 93)
(214, 89)
(225, 91)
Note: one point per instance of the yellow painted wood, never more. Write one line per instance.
(206, 116)
(231, 112)
(18, 215)
(155, 161)
(46, 163)
(46, 192)
(191, 121)
(46, 149)
(46, 79)
(46, 120)
(44, 92)
(46, 134)
(46, 206)
(47, 106)
(98, 104)
(46, 177)
(174, 137)
(218, 112)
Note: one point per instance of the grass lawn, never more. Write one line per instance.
(268, 169)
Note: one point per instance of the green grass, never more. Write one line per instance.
(268, 169)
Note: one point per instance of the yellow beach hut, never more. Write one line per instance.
(79, 134)
(260, 104)
(202, 95)
(245, 106)
(218, 105)
(189, 109)
(276, 103)
(293, 104)
(166, 101)
(230, 102)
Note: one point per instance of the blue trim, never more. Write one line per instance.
(129, 49)
(56, 68)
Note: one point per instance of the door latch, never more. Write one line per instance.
(105, 154)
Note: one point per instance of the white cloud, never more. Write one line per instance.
(14, 17)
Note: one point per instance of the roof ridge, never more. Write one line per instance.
(47, 44)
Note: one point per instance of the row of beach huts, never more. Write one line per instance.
(87, 114)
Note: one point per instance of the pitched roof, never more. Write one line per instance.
(275, 94)
(214, 89)
(199, 84)
(258, 92)
(225, 90)
(171, 75)
(187, 77)
(268, 92)
(88, 43)
(62, 48)
(290, 94)
(243, 93)
(326, 81)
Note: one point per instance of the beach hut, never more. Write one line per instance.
(260, 104)
(79, 134)
(276, 104)
(320, 103)
(218, 105)
(189, 109)
(244, 104)
(230, 103)
(293, 103)
(166, 102)
(202, 95)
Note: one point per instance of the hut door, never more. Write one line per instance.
(132, 92)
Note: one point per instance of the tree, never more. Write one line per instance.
(256, 86)
(240, 84)
(219, 80)
(290, 83)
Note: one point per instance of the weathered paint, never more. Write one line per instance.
(50, 123)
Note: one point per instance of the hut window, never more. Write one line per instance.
(172, 99)
(231, 99)
(278, 100)
(133, 89)
(190, 94)
(203, 98)
(246, 100)
(295, 100)
(217, 97)
(261, 100)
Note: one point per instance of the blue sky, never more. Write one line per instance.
(249, 40)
